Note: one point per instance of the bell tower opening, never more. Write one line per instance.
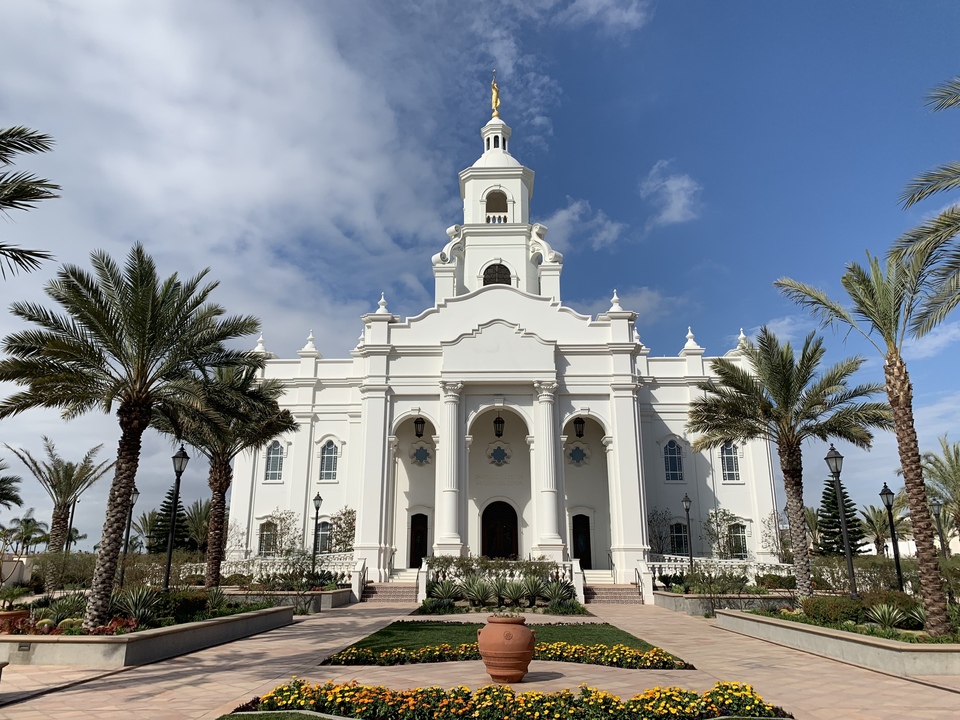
(496, 274)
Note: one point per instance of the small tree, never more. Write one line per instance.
(161, 531)
(775, 536)
(831, 536)
(343, 528)
(288, 534)
(717, 533)
(658, 530)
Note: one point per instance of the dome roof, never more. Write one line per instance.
(496, 158)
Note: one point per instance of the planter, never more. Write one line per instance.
(889, 656)
(700, 605)
(12, 616)
(506, 647)
(311, 602)
(138, 648)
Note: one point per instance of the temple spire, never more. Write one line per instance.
(495, 96)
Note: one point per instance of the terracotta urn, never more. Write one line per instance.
(506, 646)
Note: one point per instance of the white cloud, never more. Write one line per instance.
(675, 195)
(614, 16)
(649, 304)
(933, 343)
(569, 225)
(789, 328)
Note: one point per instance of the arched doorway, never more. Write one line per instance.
(499, 531)
(581, 541)
(418, 539)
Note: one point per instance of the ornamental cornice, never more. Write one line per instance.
(451, 390)
(546, 390)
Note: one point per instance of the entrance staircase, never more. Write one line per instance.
(400, 588)
(599, 589)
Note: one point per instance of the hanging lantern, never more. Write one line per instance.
(418, 426)
(498, 426)
(578, 426)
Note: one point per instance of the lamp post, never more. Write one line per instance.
(134, 496)
(317, 502)
(835, 462)
(686, 508)
(937, 506)
(886, 495)
(180, 460)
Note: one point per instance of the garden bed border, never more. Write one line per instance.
(699, 605)
(139, 648)
(890, 656)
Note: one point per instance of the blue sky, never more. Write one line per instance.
(687, 154)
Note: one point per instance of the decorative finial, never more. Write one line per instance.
(636, 336)
(741, 341)
(309, 347)
(382, 310)
(360, 339)
(615, 303)
(260, 348)
(691, 344)
(495, 96)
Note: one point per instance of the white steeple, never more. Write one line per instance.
(496, 244)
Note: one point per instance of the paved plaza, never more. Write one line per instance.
(209, 683)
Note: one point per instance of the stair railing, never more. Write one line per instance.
(638, 579)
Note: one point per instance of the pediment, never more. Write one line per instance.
(500, 349)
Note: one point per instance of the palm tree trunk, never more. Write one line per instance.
(791, 464)
(220, 478)
(134, 419)
(900, 395)
(59, 523)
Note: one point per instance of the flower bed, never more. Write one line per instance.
(620, 656)
(495, 702)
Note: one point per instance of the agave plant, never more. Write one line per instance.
(499, 586)
(918, 615)
(216, 599)
(66, 607)
(445, 590)
(886, 616)
(533, 588)
(139, 603)
(514, 593)
(478, 591)
(558, 590)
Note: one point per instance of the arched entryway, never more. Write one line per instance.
(499, 531)
(418, 539)
(581, 541)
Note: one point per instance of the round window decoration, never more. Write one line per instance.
(577, 456)
(420, 455)
(499, 456)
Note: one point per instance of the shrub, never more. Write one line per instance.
(477, 591)
(514, 593)
(533, 588)
(833, 609)
(444, 590)
(916, 617)
(772, 581)
(437, 606)
(669, 580)
(182, 605)
(732, 698)
(558, 591)
(237, 579)
(192, 580)
(65, 607)
(498, 586)
(139, 603)
(566, 607)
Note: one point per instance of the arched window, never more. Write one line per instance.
(328, 462)
(738, 541)
(496, 141)
(673, 462)
(496, 274)
(496, 202)
(268, 539)
(274, 468)
(678, 539)
(323, 537)
(488, 143)
(730, 462)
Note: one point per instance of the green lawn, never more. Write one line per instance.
(415, 635)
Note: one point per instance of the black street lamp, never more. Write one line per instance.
(578, 426)
(686, 508)
(134, 496)
(937, 506)
(418, 425)
(317, 502)
(886, 495)
(180, 460)
(835, 462)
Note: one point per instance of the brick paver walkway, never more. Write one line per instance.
(206, 684)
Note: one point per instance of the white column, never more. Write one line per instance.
(390, 504)
(448, 540)
(550, 542)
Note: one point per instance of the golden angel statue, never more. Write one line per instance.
(495, 93)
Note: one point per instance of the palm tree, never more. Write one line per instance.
(126, 339)
(9, 488)
(236, 412)
(28, 532)
(886, 310)
(942, 474)
(811, 520)
(198, 521)
(782, 399)
(21, 191)
(64, 482)
(146, 527)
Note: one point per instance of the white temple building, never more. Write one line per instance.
(499, 421)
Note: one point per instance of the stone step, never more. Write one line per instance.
(391, 592)
(612, 595)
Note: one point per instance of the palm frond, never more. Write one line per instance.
(940, 179)
(14, 259)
